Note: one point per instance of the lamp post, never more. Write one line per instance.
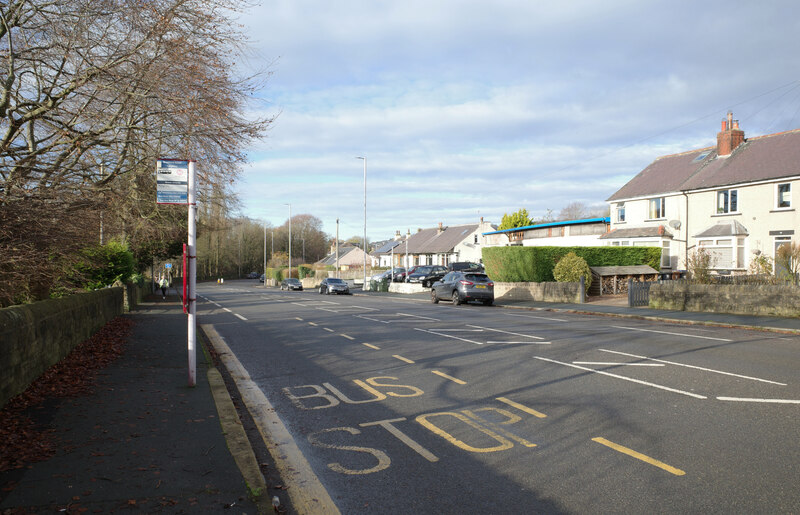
(290, 238)
(264, 270)
(364, 287)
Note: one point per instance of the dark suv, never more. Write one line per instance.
(465, 266)
(427, 275)
(459, 287)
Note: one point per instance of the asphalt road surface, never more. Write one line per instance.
(402, 406)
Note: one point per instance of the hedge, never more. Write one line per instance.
(535, 264)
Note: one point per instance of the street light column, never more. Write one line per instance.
(364, 287)
(290, 239)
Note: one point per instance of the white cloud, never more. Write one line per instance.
(473, 107)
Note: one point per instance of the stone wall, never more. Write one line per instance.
(33, 337)
(545, 292)
(770, 300)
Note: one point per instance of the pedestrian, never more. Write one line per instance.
(163, 284)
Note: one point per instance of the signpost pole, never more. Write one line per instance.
(192, 296)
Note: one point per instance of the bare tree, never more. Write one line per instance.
(92, 92)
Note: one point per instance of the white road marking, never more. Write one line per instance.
(693, 366)
(672, 334)
(418, 316)
(448, 336)
(612, 363)
(237, 315)
(533, 316)
(515, 343)
(770, 401)
(228, 310)
(506, 332)
(660, 387)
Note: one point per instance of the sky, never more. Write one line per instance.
(469, 109)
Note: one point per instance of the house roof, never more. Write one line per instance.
(638, 232)
(386, 248)
(553, 224)
(436, 241)
(726, 228)
(757, 159)
(330, 259)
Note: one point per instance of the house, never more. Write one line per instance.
(441, 245)
(383, 256)
(349, 257)
(570, 233)
(735, 199)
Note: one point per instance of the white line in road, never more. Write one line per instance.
(672, 334)
(693, 366)
(660, 387)
(540, 318)
(769, 401)
(228, 310)
(612, 363)
(506, 332)
(418, 316)
(448, 336)
(237, 315)
(515, 343)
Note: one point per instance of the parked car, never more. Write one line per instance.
(387, 275)
(465, 266)
(333, 285)
(459, 287)
(403, 276)
(290, 283)
(252, 275)
(427, 275)
(261, 279)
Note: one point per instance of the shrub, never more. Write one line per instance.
(103, 265)
(761, 265)
(787, 260)
(571, 268)
(304, 271)
(699, 265)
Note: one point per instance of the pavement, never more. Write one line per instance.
(145, 441)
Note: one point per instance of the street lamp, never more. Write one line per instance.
(364, 287)
(290, 238)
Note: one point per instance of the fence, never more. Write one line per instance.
(638, 293)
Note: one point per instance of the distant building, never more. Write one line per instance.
(569, 233)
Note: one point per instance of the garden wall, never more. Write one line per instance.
(770, 300)
(545, 292)
(33, 337)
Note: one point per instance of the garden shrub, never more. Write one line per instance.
(571, 268)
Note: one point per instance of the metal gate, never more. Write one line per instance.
(638, 293)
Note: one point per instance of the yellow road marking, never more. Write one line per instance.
(401, 358)
(371, 346)
(442, 374)
(522, 407)
(639, 456)
(348, 337)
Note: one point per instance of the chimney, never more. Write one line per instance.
(730, 137)
(397, 235)
(439, 231)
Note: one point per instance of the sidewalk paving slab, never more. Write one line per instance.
(143, 441)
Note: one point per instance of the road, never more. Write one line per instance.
(401, 406)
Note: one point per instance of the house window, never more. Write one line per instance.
(727, 201)
(666, 260)
(656, 208)
(784, 196)
(476, 238)
(621, 212)
(727, 253)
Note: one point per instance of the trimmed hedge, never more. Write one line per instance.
(535, 264)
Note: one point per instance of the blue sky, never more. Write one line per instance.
(469, 109)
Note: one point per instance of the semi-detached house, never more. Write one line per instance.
(737, 200)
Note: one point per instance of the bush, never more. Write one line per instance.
(699, 265)
(304, 271)
(787, 261)
(103, 265)
(571, 268)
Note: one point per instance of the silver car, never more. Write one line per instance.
(459, 287)
(333, 285)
